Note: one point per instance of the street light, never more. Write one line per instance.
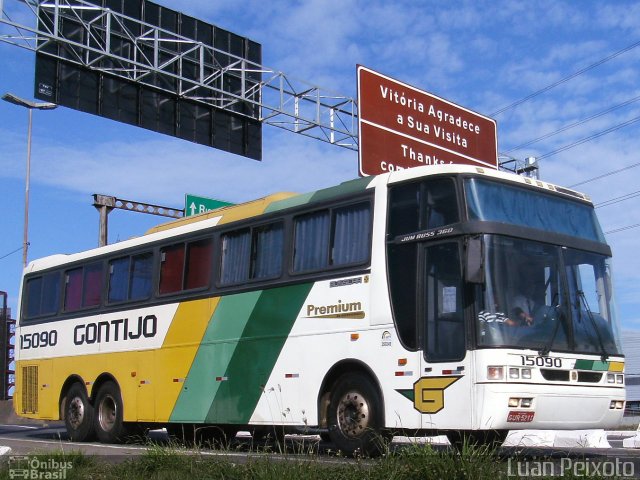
(9, 97)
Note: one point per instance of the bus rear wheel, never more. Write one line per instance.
(78, 414)
(108, 414)
(355, 416)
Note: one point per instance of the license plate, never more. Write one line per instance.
(520, 417)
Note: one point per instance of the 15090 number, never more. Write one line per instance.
(533, 361)
(39, 339)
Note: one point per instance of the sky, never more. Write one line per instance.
(582, 57)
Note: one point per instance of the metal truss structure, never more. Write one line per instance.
(527, 167)
(106, 203)
(136, 51)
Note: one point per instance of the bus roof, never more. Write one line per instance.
(283, 200)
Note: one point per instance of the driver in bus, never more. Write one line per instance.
(494, 315)
(524, 307)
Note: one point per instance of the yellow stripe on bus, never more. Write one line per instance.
(228, 214)
(149, 380)
(616, 366)
(179, 349)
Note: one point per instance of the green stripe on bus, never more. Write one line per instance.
(345, 188)
(255, 356)
(597, 365)
(213, 356)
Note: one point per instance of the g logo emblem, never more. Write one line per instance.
(429, 393)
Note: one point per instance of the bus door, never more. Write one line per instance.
(443, 394)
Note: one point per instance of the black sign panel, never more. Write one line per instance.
(77, 78)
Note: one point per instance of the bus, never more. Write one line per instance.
(434, 300)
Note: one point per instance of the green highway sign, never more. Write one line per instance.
(194, 205)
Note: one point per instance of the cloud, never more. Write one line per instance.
(127, 170)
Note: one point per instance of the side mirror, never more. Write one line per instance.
(474, 266)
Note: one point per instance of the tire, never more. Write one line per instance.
(355, 416)
(108, 422)
(78, 414)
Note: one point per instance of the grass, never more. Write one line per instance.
(168, 462)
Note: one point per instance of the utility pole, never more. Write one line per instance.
(31, 106)
(105, 204)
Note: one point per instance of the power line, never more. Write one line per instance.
(621, 229)
(613, 201)
(589, 138)
(565, 79)
(605, 175)
(572, 125)
(11, 253)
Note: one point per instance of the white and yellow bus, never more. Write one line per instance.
(437, 299)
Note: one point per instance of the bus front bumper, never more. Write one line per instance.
(548, 407)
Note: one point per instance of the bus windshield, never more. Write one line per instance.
(499, 202)
(545, 297)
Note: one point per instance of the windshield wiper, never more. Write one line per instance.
(544, 351)
(603, 351)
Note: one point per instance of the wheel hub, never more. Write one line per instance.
(107, 412)
(76, 412)
(353, 414)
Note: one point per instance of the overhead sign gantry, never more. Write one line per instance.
(171, 69)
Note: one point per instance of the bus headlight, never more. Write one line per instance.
(620, 379)
(495, 373)
(611, 378)
(514, 373)
(526, 373)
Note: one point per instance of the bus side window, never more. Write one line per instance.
(404, 209)
(267, 251)
(351, 234)
(140, 276)
(83, 287)
(440, 205)
(311, 241)
(422, 206)
(171, 269)
(252, 254)
(118, 280)
(42, 295)
(73, 290)
(332, 238)
(130, 278)
(92, 285)
(236, 252)
(198, 264)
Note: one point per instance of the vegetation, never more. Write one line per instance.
(166, 462)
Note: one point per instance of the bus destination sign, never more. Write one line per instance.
(400, 126)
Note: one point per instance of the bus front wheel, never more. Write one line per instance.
(108, 414)
(355, 416)
(78, 414)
